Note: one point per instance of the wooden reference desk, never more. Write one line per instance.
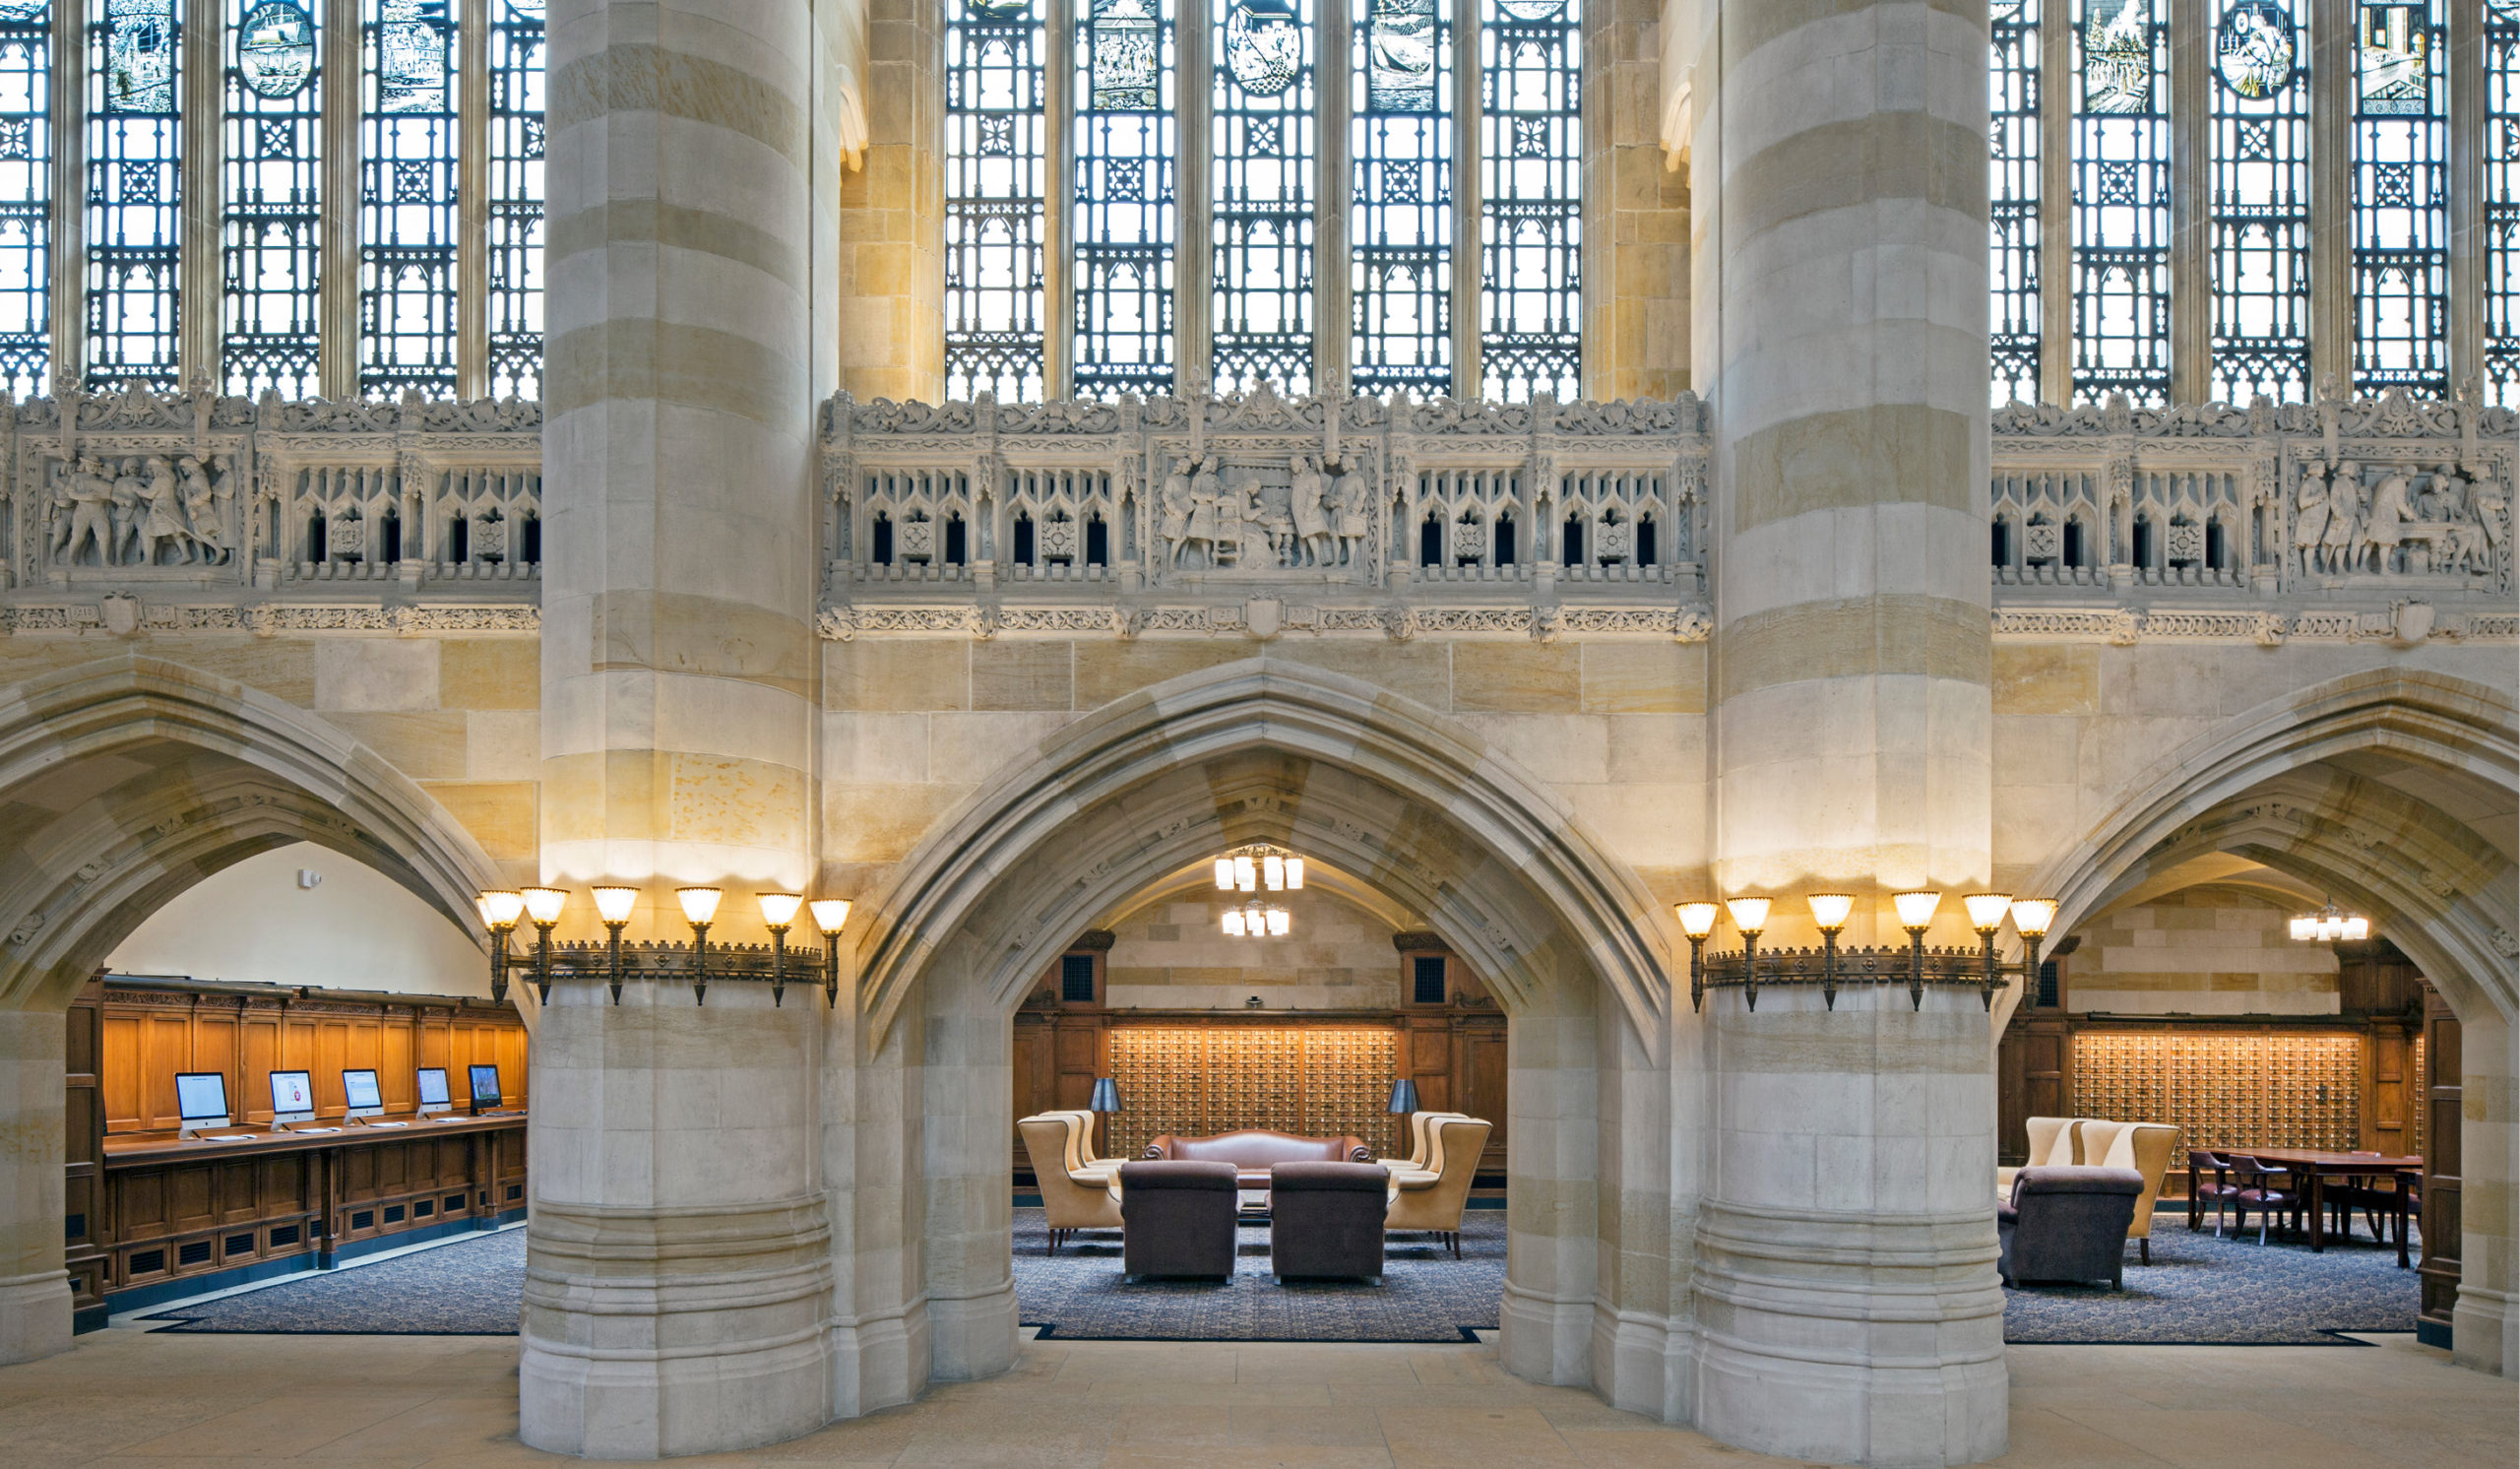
(175, 1208)
(2317, 1165)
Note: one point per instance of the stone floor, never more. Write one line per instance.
(127, 1397)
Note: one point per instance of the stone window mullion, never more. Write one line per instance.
(1466, 198)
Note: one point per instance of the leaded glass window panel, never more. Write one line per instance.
(2013, 198)
(1264, 124)
(1530, 198)
(2400, 218)
(1401, 198)
(1124, 225)
(406, 197)
(26, 195)
(2502, 241)
(134, 192)
(994, 200)
(273, 234)
(2122, 172)
(514, 244)
(2259, 206)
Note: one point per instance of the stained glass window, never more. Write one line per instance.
(2503, 203)
(2260, 201)
(1400, 231)
(994, 196)
(26, 195)
(406, 197)
(1530, 198)
(1264, 123)
(135, 197)
(2122, 172)
(515, 245)
(1124, 219)
(2401, 223)
(273, 236)
(2013, 325)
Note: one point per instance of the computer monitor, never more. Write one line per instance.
(292, 1096)
(364, 1097)
(486, 1087)
(201, 1099)
(434, 1094)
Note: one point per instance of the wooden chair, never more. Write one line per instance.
(2199, 1193)
(2268, 1190)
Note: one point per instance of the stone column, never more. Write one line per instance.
(679, 1268)
(1846, 1293)
(34, 1291)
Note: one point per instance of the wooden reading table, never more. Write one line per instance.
(2319, 1166)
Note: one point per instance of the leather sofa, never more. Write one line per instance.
(1178, 1219)
(2067, 1224)
(1326, 1219)
(1433, 1197)
(1253, 1151)
(1071, 1200)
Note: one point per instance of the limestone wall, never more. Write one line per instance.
(2203, 951)
(1174, 954)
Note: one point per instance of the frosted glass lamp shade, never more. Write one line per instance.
(698, 903)
(1233, 922)
(1828, 911)
(616, 904)
(1916, 909)
(1273, 872)
(1224, 874)
(1294, 874)
(1986, 910)
(830, 915)
(500, 909)
(1749, 915)
(1278, 923)
(2031, 915)
(544, 904)
(779, 910)
(1697, 919)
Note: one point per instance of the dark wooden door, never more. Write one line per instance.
(2439, 1269)
(2030, 1080)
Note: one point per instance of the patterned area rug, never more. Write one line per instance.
(464, 1288)
(2201, 1291)
(1425, 1294)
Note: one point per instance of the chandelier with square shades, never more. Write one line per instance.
(1256, 869)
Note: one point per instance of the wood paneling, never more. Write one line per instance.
(2442, 1092)
(149, 1031)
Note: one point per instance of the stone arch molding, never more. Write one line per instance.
(133, 778)
(1499, 864)
(2249, 789)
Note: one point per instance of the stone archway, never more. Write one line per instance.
(1368, 785)
(2367, 786)
(129, 780)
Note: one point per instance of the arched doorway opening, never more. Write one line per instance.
(2393, 792)
(132, 779)
(1373, 787)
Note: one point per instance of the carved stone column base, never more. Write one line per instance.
(1545, 1340)
(35, 1315)
(1851, 1338)
(655, 1332)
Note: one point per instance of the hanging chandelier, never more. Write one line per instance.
(1259, 868)
(1828, 967)
(2329, 924)
(1257, 920)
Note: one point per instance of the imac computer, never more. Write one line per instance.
(486, 1088)
(200, 1100)
(292, 1097)
(433, 1096)
(362, 1096)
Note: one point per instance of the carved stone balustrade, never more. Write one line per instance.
(200, 512)
(2383, 518)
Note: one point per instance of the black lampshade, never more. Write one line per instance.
(1404, 1096)
(1106, 1095)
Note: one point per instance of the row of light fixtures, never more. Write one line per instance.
(1258, 867)
(614, 962)
(2329, 924)
(1747, 968)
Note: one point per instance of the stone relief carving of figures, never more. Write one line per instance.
(1175, 510)
(130, 506)
(91, 517)
(162, 520)
(2310, 518)
(1308, 497)
(140, 510)
(2343, 518)
(1201, 529)
(2376, 545)
(1352, 514)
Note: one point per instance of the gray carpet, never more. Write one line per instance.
(1425, 1294)
(468, 1287)
(2229, 1292)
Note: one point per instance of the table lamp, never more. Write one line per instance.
(1107, 1098)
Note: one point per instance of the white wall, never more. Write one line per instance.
(357, 930)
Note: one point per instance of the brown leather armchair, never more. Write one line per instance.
(1434, 1199)
(1325, 1219)
(1072, 1201)
(1179, 1219)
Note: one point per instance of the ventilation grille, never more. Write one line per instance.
(193, 1253)
(2047, 984)
(74, 1227)
(240, 1245)
(363, 1219)
(454, 1203)
(147, 1263)
(516, 1191)
(425, 1208)
(1427, 981)
(1076, 978)
(283, 1233)
(392, 1213)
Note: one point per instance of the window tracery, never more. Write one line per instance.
(2399, 216)
(515, 243)
(2259, 208)
(2501, 232)
(1530, 198)
(26, 195)
(271, 256)
(995, 199)
(1401, 198)
(1264, 124)
(408, 191)
(2014, 154)
(2122, 169)
(134, 193)
(1126, 150)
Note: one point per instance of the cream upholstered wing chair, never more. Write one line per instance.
(2145, 1147)
(1081, 1158)
(1420, 1126)
(1432, 1198)
(1072, 1200)
(2051, 1144)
